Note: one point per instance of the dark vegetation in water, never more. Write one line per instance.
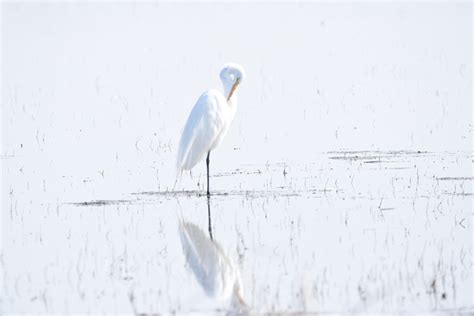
(101, 202)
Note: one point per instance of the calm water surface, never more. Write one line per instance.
(355, 231)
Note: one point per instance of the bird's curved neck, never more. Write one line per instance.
(227, 90)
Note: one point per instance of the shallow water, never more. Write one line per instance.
(312, 198)
(355, 231)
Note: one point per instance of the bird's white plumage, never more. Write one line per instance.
(209, 119)
(205, 123)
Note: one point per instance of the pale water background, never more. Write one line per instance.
(344, 184)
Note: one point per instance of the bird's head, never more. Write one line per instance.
(231, 75)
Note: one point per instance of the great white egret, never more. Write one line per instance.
(209, 121)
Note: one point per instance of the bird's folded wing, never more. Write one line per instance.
(201, 130)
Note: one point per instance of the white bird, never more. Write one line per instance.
(209, 121)
(214, 270)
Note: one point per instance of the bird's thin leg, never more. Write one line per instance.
(207, 163)
(209, 216)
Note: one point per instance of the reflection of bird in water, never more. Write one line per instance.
(214, 270)
(209, 121)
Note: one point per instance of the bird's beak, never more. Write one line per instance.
(233, 88)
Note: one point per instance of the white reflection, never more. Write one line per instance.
(214, 270)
